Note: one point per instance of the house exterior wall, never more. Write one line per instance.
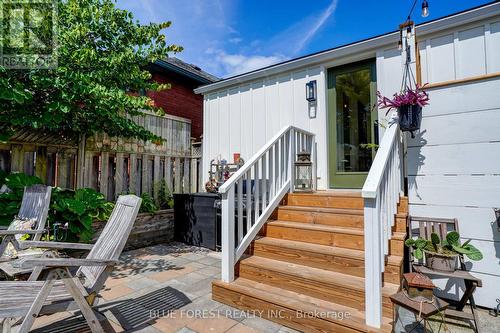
(243, 118)
(180, 100)
(453, 164)
(454, 161)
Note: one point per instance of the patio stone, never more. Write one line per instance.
(208, 260)
(185, 330)
(142, 283)
(209, 271)
(116, 292)
(172, 322)
(262, 324)
(240, 328)
(212, 325)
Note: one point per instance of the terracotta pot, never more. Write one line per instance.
(440, 262)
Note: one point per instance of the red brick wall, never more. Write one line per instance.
(180, 100)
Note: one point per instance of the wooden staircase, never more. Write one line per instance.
(305, 270)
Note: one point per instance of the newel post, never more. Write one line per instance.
(228, 245)
(373, 264)
(291, 165)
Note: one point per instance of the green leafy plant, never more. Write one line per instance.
(165, 198)
(79, 208)
(10, 202)
(451, 245)
(148, 204)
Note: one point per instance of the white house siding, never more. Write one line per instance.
(243, 118)
(454, 162)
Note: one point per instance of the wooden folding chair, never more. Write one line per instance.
(35, 205)
(62, 291)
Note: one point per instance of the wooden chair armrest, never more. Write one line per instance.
(65, 262)
(56, 245)
(20, 232)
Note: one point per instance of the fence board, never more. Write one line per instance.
(132, 188)
(177, 175)
(41, 163)
(119, 179)
(103, 183)
(185, 176)
(17, 158)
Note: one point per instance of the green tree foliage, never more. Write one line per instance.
(101, 52)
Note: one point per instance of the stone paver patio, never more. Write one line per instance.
(167, 288)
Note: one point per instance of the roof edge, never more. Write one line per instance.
(473, 14)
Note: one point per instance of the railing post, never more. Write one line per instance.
(291, 133)
(373, 258)
(228, 245)
(314, 159)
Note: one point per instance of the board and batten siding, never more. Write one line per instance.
(243, 118)
(454, 161)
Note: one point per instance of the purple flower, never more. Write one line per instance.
(408, 97)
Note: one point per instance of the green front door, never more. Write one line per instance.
(351, 116)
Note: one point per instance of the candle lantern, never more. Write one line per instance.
(303, 172)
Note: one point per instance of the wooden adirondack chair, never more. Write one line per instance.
(35, 205)
(61, 291)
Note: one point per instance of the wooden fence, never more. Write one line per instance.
(108, 164)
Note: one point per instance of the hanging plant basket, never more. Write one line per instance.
(410, 117)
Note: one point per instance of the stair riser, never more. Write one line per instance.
(397, 247)
(345, 296)
(340, 220)
(325, 201)
(400, 223)
(286, 316)
(339, 264)
(315, 236)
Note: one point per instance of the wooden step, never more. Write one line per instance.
(319, 283)
(397, 244)
(327, 199)
(351, 238)
(298, 311)
(352, 218)
(347, 261)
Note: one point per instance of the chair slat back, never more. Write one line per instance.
(425, 226)
(112, 240)
(35, 205)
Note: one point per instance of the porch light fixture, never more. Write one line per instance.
(303, 173)
(311, 91)
(425, 8)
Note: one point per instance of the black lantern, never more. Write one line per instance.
(311, 91)
(303, 173)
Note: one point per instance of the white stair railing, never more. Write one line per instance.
(252, 193)
(381, 192)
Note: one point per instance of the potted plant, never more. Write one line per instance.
(409, 105)
(442, 254)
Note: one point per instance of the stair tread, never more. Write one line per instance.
(323, 249)
(300, 302)
(332, 193)
(315, 274)
(343, 211)
(318, 227)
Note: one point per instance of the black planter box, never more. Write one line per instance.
(410, 117)
(196, 219)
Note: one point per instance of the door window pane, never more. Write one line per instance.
(354, 129)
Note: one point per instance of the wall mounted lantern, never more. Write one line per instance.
(311, 91)
(303, 173)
